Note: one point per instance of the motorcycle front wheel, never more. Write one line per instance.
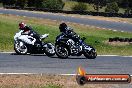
(61, 51)
(20, 48)
(50, 50)
(90, 54)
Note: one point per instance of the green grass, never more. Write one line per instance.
(1, 5)
(95, 37)
(70, 4)
(51, 86)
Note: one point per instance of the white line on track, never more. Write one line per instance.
(7, 52)
(122, 31)
(98, 55)
(74, 75)
(72, 16)
(36, 74)
(68, 74)
(108, 55)
(114, 30)
(98, 27)
(103, 28)
(126, 56)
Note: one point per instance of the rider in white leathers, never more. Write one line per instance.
(29, 36)
(25, 34)
(25, 38)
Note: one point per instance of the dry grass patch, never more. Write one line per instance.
(117, 43)
(113, 19)
(40, 81)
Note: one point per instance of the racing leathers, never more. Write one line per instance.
(69, 33)
(29, 35)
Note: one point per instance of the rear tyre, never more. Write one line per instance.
(50, 50)
(61, 51)
(90, 54)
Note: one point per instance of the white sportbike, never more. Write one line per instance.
(24, 44)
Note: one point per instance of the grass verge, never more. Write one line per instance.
(95, 36)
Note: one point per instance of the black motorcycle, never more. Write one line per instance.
(22, 47)
(65, 47)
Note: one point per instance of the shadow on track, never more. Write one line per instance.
(69, 58)
(37, 55)
(29, 54)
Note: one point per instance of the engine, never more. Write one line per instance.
(75, 48)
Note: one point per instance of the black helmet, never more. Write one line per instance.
(62, 27)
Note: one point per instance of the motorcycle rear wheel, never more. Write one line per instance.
(50, 50)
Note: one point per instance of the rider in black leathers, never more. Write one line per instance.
(68, 32)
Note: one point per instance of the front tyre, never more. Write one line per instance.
(61, 51)
(92, 54)
(20, 48)
(50, 50)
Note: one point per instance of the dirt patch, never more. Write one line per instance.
(37, 81)
(113, 19)
(117, 43)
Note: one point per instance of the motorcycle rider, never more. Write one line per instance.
(68, 33)
(27, 32)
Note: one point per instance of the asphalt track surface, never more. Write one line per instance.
(120, 26)
(10, 63)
